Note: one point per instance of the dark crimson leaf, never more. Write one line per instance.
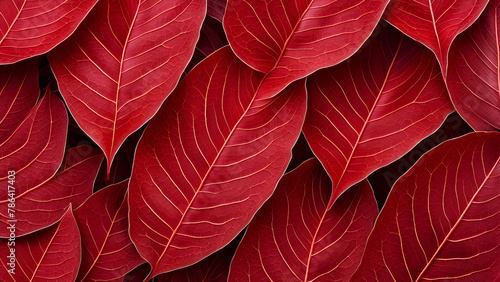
(216, 9)
(51, 254)
(208, 160)
(107, 253)
(42, 205)
(442, 219)
(35, 149)
(434, 23)
(383, 179)
(294, 237)
(290, 40)
(370, 110)
(31, 28)
(123, 61)
(473, 79)
(18, 94)
(212, 37)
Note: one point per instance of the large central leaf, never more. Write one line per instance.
(208, 160)
(122, 62)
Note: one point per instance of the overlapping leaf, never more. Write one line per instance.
(30, 28)
(123, 61)
(214, 268)
(434, 23)
(49, 254)
(208, 160)
(473, 79)
(212, 37)
(441, 220)
(369, 111)
(295, 238)
(35, 149)
(18, 94)
(289, 41)
(42, 205)
(107, 254)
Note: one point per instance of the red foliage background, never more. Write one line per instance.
(259, 140)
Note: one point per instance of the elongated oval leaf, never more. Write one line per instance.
(442, 218)
(49, 254)
(123, 61)
(216, 9)
(369, 111)
(18, 94)
(30, 28)
(34, 151)
(434, 23)
(295, 238)
(42, 205)
(107, 254)
(208, 161)
(289, 41)
(473, 79)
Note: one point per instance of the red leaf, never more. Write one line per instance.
(31, 28)
(295, 238)
(211, 269)
(123, 61)
(44, 204)
(36, 147)
(18, 94)
(441, 220)
(108, 254)
(216, 9)
(290, 41)
(434, 23)
(50, 254)
(473, 79)
(208, 160)
(369, 111)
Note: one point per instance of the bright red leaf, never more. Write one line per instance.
(35, 150)
(208, 160)
(369, 111)
(295, 238)
(18, 94)
(441, 220)
(123, 61)
(51, 254)
(30, 28)
(473, 79)
(434, 23)
(107, 254)
(289, 41)
(42, 205)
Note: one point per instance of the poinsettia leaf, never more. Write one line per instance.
(31, 28)
(474, 70)
(434, 23)
(290, 41)
(208, 160)
(123, 61)
(369, 111)
(441, 220)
